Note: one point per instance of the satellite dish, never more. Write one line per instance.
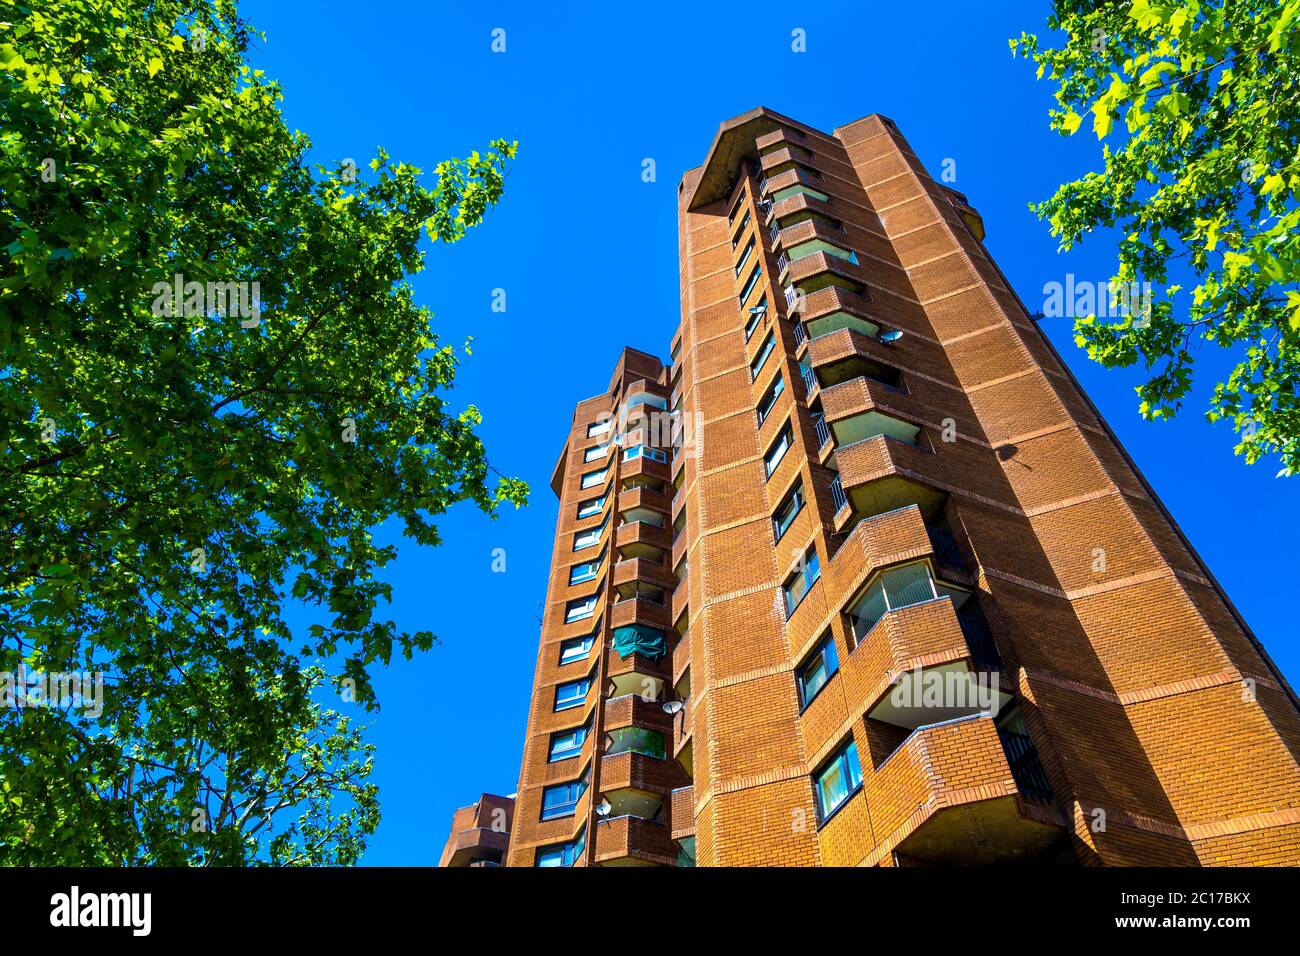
(672, 707)
(891, 336)
(603, 808)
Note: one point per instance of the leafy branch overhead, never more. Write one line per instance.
(216, 382)
(1197, 106)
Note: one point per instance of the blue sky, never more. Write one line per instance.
(589, 93)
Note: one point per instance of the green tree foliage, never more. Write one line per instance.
(179, 472)
(1197, 105)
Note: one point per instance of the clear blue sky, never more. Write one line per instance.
(589, 93)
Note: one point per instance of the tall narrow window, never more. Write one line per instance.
(838, 780)
(750, 283)
(778, 450)
(819, 668)
(800, 582)
(788, 510)
(773, 393)
(764, 351)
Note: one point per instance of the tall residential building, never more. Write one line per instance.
(892, 594)
(480, 833)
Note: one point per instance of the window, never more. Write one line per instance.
(591, 507)
(801, 581)
(594, 452)
(764, 351)
(750, 283)
(785, 514)
(563, 854)
(735, 210)
(589, 538)
(755, 316)
(778, 450)
(571, 694)
(567, 743)
(744, 256)
(740, 231)
(580, 610)
(819, 668)
(593, 478)
(899, 587)
(838, 780)
(641, 451)
(773, 393)
(598, 427)
(561, 800)
(584, 572)
(576, 648)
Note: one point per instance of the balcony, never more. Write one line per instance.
(949, 796)
(638, 539)
(777, 137)
(648, 610)
(645, 465)
(822, 270)
(633, 841)
(920, 666)
(881, 474)
(633, 711)
(798, 207)
(825, 303)
(654, 573)
(482, 846)
(792, 182)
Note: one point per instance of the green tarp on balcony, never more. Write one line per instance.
(639, 639)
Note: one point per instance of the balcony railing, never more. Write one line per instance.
(782, 263)
(791, 296)
(765, 206)
(762, 187)
(774, 231)
(945, 546)
(799, 334)
(1025, 765)
(809, 377)
(838, 497)
(823, 432)
(978, 637)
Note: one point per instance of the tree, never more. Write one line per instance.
(216, 380)
(1198, 105)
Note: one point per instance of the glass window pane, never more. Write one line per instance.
(908, 585)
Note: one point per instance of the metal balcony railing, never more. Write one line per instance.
(945, 547)
(791, 296)
(799, 334)
(809, 377)
(774, 231)
(838, 497)
(978, 637)
(823, 432)
(1025, 765)
(782, 263)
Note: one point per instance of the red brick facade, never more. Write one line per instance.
(973, 521)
